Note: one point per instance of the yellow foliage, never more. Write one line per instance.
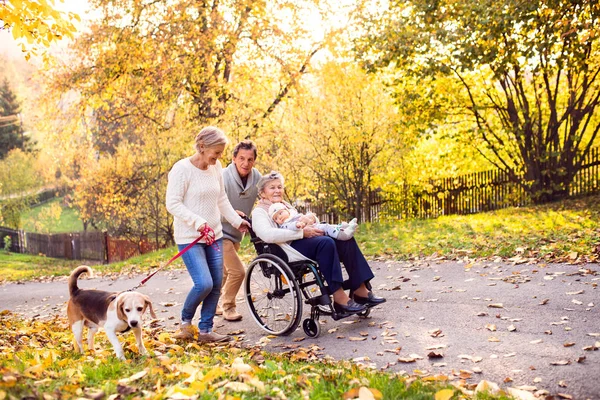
(444, 394)
(39, 24)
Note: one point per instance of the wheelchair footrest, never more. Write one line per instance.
(322, 300)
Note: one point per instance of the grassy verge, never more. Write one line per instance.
(37, 361)
(52, 217)
(563, 232)
(560, 232)
(18, 267)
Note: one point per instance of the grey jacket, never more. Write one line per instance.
(241, 198)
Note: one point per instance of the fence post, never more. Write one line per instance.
(105, 240)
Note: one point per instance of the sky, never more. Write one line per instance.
(9, 47)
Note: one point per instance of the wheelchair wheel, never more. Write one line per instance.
(311, 327)
(273, 295)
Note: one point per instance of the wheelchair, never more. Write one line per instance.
(276, 289)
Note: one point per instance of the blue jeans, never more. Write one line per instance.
(205, 266)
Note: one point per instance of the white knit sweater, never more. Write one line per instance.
(195, 197)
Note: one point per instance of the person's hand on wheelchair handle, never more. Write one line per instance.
(311, 231)
(244, 226)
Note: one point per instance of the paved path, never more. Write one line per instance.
(515, 325)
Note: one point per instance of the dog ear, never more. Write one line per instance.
(148, 304)
(120, 313)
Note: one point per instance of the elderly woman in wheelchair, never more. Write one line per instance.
(305, 263)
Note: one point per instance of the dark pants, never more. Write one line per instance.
(328, 253)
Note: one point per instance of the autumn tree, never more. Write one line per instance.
(146, 76)
(344, 132)
(528, 71)
(11, 129)
(36, 24)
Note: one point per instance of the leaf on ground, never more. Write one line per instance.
(496, 305)
(237, 387)
(564, 396)
(560, 362)
(357, 339)
(520, 394)
(444, 394)
(433, 354)
(577, 292)
(487, 386)
(436, 333)
(369, 394)
(490, 327)
(544, 302)
(407, 359)
(133, 377)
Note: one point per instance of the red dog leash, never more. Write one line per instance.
(207, 233)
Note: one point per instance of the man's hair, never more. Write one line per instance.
(245, 145)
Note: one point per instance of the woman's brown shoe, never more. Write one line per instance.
(212, 337)
(186, 332)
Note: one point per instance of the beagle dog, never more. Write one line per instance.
(116, 312)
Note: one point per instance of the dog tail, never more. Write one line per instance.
(75, 275)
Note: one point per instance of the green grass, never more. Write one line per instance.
(562, 231)
(19, 267)
(40, 219)
(565, 231)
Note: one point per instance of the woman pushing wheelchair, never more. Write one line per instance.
(310, 242)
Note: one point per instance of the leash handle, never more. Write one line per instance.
(209, 237)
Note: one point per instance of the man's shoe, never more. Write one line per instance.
(351, 308)
(212, 337)
(371, 300)
(186, 332)
(219, 310)
(231, 315)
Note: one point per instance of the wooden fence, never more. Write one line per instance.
(121, 249)
(465, 194)
(93, 246)
(16, 239)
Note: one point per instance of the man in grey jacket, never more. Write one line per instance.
(240, 179)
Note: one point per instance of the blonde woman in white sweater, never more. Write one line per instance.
(196, 197)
